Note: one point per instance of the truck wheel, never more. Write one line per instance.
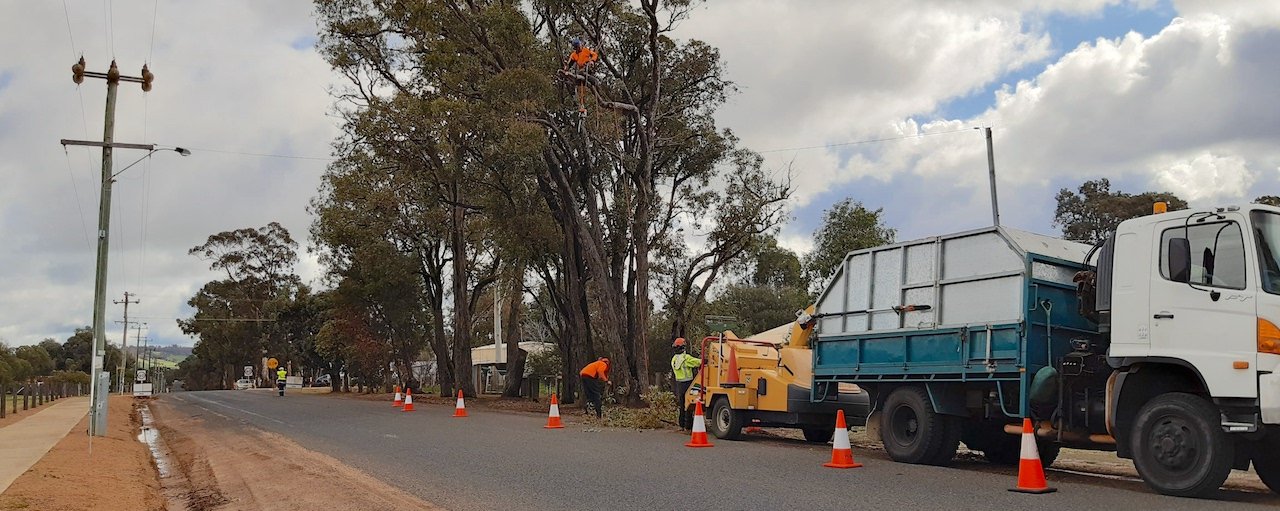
(1179, 447)
(1266, 463)
(952, 427)
(1007, 451)
(817, 434)
(725, 422)
(912, 432)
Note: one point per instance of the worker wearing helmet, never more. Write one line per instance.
(594, 376)
(682, 367)
(281, 375)
(582, 58)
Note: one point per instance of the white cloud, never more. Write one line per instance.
(1206, 176)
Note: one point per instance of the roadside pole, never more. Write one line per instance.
(99, 381)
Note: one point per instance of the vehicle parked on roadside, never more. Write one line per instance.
(244, 384)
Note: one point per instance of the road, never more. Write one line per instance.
(496, 460)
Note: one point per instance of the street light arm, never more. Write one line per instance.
(178, 150)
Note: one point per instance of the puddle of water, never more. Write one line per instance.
(150, 436)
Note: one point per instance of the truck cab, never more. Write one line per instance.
(1189, 301)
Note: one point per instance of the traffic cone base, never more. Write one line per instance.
(841, 452)
(699, 437)
(399, 401)
(553, 418)
(408, 401)
(461, 409)
(1030, 471)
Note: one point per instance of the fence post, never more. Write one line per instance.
(39, 394)
(4, 398)
(26, 393)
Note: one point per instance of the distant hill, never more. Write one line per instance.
(174, 351)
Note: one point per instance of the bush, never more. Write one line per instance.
(73, 377)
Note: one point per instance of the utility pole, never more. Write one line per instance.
(99, 380)
(991, 171)
(124, 338)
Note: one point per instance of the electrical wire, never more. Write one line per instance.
(76, 189)
(264, 155)
(862, 142)
(155, 10)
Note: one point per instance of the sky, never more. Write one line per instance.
(877, 101)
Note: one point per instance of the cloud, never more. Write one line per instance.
(1206, 176)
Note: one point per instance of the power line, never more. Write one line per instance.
(868, 141)
(155, 10)
(76, 189)
(264, 155)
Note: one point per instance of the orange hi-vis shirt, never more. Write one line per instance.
(583, 56)
(598, 370)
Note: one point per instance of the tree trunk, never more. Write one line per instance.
(461, 308)
(511, 333)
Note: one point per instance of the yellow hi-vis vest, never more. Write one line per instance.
(280, 375)
(683, 364)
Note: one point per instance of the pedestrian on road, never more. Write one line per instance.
(594, 376)
(682, 366)
(280, 378)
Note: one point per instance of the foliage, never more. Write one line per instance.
(760, 308)
(259, 308)
(659, 411)
(1094, 212)
(37, 357)
(464, 165)
(75, 377)
(544, 363)
(846, 226)
(1269, 200)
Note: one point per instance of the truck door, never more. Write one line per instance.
(1203, 301)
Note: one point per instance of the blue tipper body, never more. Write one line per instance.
(996, 296)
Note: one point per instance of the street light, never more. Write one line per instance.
(154, 150)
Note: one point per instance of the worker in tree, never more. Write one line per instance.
(582, 58)
(682, 367)
(594, 376)
(281, 375)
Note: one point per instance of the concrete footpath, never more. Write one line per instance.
(23, 443)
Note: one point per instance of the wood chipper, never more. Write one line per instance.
(767, 382)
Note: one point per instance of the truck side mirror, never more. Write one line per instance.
(1179, 260)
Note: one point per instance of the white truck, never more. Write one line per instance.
(1162, 343)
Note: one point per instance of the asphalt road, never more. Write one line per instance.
(495, 460)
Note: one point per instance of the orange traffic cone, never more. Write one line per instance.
(732, 377)
(553, 419)
(399, 401)
(461, 409)
(699, 438)
(1030, 471)
(408, 400)
(841, 454)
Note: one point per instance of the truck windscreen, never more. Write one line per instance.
(1266, 228)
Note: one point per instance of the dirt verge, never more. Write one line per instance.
(230, 468)
(117, 474)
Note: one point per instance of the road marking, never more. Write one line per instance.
(272, 419)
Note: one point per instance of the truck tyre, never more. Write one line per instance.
(911, 430)
(725, 422)
(1179, 447)
(951, 428)
(1266, 462)
(817, 434)
(1007, 451)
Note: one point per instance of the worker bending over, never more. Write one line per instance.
(594, 376)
